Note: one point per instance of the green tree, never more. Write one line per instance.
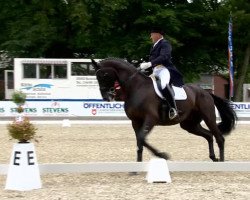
(120, 28)
(35, 28)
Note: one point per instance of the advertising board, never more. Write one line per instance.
(85, 109)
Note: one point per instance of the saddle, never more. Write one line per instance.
(179, 92)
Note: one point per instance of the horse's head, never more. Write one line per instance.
(106, 78)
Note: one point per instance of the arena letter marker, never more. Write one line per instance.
(23, 172)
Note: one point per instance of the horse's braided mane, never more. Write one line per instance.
(118, 60)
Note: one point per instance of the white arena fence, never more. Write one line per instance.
(112, 167)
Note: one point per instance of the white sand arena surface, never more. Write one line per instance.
(104, 143)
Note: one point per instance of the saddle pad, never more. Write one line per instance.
(179, 92)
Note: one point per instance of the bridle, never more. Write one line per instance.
(112, 90)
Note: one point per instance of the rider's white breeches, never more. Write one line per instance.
(163, 73)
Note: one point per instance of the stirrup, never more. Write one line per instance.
(172, 113)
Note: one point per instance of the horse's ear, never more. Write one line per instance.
(95, 64)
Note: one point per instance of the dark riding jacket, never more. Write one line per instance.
(160, 54)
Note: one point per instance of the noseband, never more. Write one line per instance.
(111, 91)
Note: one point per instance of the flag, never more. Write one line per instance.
(230, 58)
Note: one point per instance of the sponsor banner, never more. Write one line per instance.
(103, 108)
(37, 91)
(64, 108)
(242, 109)
(84, 109)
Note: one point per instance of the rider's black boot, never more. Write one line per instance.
(169, 96)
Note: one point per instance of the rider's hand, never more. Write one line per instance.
(146, 65)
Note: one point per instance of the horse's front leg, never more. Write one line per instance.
(137, 127)
(156, 152)
(141, 132)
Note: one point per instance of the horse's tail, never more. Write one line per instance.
(227, 114)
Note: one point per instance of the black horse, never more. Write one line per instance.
(143, 106)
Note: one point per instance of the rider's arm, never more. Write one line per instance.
(145, 65)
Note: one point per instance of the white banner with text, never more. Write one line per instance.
(84, 109)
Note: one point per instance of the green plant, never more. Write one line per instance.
(18, 97)
(23, 131)
(20, 109)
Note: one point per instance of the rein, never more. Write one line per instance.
(97, 71)
(129, 78)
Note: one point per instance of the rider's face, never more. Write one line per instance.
(155, 37)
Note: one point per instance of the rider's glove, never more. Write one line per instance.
(146, 65)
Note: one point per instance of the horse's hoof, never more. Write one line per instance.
(213, 158)
(163, 155)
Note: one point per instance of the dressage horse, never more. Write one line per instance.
(144, 108)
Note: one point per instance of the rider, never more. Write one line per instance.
(163, 68)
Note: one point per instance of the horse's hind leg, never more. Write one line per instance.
(209, 117)
(196, 129)
(211, 124)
